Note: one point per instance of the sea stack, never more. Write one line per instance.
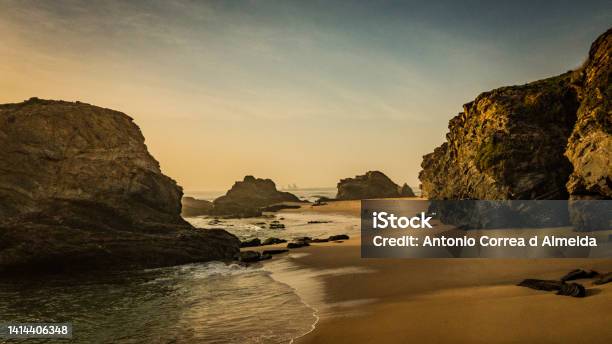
(246, 198)
(373, 184)
(79, 189)
(545, 140)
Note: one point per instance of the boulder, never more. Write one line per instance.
(79, 190)
(247, 198)
(373, 184)
(248, 256)
(338, 237)
(195, 207)
(251, 243)
(273, 241)
(562, 288)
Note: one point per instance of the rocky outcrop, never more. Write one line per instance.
(195, 207)
(78, 189)
(247, 198)
(589, 148)
(506, 144)
(373, 184)
(549, 139)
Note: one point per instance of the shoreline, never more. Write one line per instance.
(475, 300)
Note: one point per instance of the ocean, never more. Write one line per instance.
(195, 303)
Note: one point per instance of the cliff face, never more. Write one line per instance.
(77, 185)
(507, 144)
(373, 184)
(589, 147)
(548, 139)
(247, 197)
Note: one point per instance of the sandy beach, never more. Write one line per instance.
(439, 300)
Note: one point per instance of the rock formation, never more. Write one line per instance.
(195, 207)
(589, 147)
(247, 198)
(373, 184)
(78, 189)
(549, 139)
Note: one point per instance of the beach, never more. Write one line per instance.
(438, 300)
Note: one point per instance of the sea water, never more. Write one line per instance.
(194, 303)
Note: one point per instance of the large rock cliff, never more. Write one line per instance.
(549, 139)
(589, 148)
(79, 188)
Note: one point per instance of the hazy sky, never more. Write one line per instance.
(303, 92)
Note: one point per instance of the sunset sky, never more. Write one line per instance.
(303, 92)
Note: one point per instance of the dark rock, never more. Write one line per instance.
(249, 256)
(277, 226)
(315, 222)
(305, 238)
(81, 191)
(579, 274)
(273, 241)
(251, 243)
(338, 237)
(562, 288)
(319, 240)
(280, 206)
(297, 244)
(247, 197)
(406, 191)
(572, 289)
(265, 256)
(373, 184)
(605, 278)
(272, 252)
(547, 285)
(195, 207)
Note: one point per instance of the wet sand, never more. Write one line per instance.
(440, 300)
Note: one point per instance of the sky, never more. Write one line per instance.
(304, 92)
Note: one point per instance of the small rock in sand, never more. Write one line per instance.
(251, 243)
(272, 241)
(338, 237)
